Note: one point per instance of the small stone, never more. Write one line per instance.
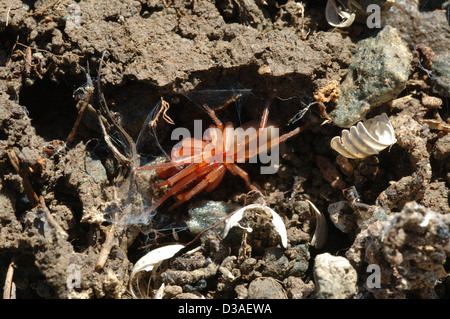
(276, 264)
(171, 291)
(441, 75)
(335, 277)
(297, 288)
(95, 169)
(241, 292)
(431, 102)
(343, 221)
(189, 295)
(207, 214)
(441, 149)
(377, 75)
(266, 288)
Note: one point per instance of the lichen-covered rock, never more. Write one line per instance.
(408, 248)
(335, 277)
(377, 75)
(207, 214)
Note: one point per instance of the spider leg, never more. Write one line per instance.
(236, 170)
(277, 140)
(175, 178)
(209, 179)
(213, 116)
(216, 183)
(156, 166)
(293, 132)
(265, 115)
(173, 190)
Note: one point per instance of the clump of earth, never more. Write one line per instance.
(91, 90)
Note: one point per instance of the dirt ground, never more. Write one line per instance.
(91, 89)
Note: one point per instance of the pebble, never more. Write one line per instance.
(297, 288)
(266, 288)
(95, 169)
(441, 149)
(419, 22)
(334, 276)
(206, 214)
(341, 219)
(377, 75)
(441, 75)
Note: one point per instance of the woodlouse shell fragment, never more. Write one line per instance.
(336, 17)
(365, 139)
(152, 261)
(277, 222)
(321, 232)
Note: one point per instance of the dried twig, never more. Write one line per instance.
(51, 220)
(9, 289)
(164, 108)
(33, 198)
(124, 160)
(7, 14)
(133, 158)
(109, 241)
(129, 160)
(45, 51)
(83, 104)
(106, 248)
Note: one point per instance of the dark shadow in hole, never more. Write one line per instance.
(29, 282)
(430, 5)
(51, 108)
(7, 40)
(147, 10)
(22, 205)
(79, 232)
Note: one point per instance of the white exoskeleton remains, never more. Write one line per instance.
(337, 17)
(366, 138)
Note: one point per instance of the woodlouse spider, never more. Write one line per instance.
(198, 165)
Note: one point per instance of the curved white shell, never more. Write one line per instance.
(336, 17)
(321, 233)
(277, 222)
(366, 138)
(152, 260)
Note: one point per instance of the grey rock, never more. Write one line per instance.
(276, 264)
(441, 75)
(377, 75)
(415, 23)
(206, 214)
(95, 169)
(335, 277)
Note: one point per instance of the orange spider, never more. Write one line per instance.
(199, 165)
